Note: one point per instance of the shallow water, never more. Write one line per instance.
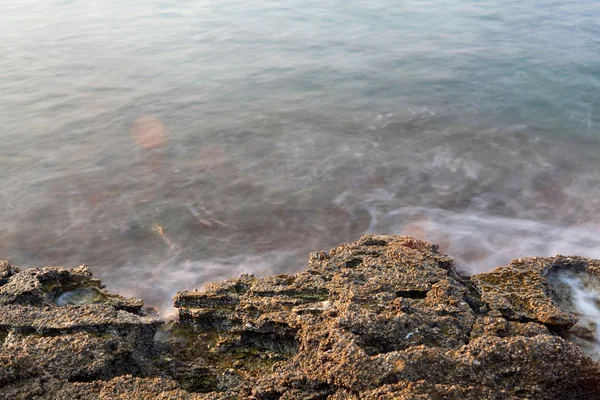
(169, 144)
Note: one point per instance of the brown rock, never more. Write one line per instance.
(390, 317)
(387, 317)
(46, 348)
(521, 291)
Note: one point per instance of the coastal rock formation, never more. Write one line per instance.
(387, 317)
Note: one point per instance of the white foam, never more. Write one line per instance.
(481, 242)
(585, 300)
(159, 283)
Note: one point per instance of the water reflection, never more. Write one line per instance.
(148, 132)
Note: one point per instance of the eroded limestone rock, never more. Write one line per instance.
(390, 317)
(387, 317)
(46, 347)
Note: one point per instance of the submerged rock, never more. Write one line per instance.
(387, 317)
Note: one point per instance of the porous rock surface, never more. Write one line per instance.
(387, 317)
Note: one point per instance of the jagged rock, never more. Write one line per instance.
(6, 271)
(46, 345)
(522, 292)
(390, 317)
(387, 317)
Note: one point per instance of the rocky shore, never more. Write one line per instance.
(387, 317)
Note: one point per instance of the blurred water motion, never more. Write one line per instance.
(170, 144)
(578, 293)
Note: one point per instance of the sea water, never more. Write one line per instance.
(167, 144)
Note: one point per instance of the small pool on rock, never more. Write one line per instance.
(80, 296)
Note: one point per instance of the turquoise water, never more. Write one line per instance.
(166, 144)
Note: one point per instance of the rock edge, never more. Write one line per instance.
(386, 317)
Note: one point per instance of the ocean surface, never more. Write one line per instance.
(167, 144)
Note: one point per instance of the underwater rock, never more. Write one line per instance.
(386, 317)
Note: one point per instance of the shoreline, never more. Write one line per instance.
(383, 317)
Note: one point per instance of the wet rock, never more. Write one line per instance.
(80, 296)
(386, 317)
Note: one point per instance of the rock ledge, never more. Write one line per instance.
(386, 317)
